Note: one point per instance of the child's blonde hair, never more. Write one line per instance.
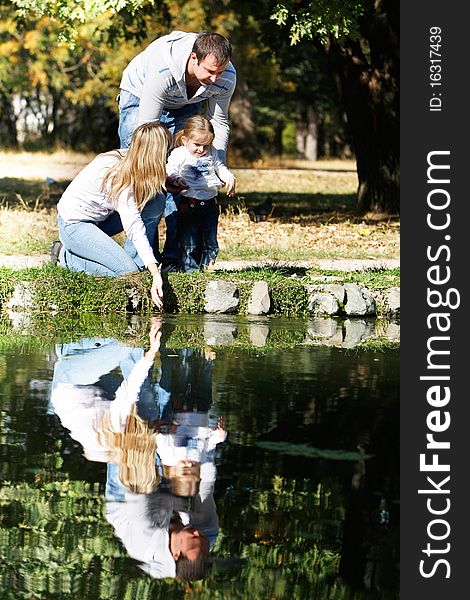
(195, 126)
(134, 450)
(142, 168)
(186, 486)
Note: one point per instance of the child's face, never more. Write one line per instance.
(197, 145)
(187, 468)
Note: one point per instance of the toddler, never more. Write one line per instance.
(195, 168)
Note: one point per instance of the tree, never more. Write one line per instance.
(279, 84)
(361, 41)
(49, 88)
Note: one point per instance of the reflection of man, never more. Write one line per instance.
(155, 535)
(167, 82)
(186, 381)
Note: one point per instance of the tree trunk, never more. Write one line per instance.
(307, 134)
(369, 92)
(277, 140)
(8, 132)
(242, 132)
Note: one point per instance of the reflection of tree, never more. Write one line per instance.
(55, 543)
(325, 396)
(53, 540)
(281, 517)
(329, 399)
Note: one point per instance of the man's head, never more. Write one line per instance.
(188, 570)
(187, 542)
(209, 57)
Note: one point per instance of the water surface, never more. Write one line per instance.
(305, 486)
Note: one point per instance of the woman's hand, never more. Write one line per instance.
(155, 336)
(156, 291)
(175, 184)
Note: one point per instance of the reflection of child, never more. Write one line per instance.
(195, 168)
(188, 458)
(184, 477)
(187, 455)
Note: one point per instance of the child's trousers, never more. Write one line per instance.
(197, 233)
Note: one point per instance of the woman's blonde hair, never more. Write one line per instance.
(195, 126)
(142, 168)
(134, 450)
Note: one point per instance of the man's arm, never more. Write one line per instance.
(217, 113)
(153, 96)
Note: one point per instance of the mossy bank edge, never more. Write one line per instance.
(252, 291)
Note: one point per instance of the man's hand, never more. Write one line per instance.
(231, 184)
(163, 426)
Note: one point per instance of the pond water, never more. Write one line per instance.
(275, 472)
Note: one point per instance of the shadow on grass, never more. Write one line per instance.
(270, 268)
(30, 193)
(288, 204)
(26, 193)
(295, 167)
(307, 208)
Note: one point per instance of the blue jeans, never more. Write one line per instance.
(147, 407)
(197, 234)
(174, 120)
(114, 491)
(89, 248)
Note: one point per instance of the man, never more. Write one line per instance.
(168, 82)
(151, 535)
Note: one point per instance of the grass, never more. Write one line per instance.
(55, 289)
(314, 210)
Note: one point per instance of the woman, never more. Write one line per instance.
(119, 190)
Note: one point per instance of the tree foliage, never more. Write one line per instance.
(272, 92)
(361, 42)
(70, 14)
(319, 19)
(301, 63)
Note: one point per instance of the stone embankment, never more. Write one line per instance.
(329, 299)
(236, 292)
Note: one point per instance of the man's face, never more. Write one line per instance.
(208, 70)
(192, 543)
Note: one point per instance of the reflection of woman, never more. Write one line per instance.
(109, 430)
(119, 190)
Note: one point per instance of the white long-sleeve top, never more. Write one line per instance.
(157, 77)
(84, 200)
(203, 174)
(193, 440)
(143, 541)
(81, 408)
